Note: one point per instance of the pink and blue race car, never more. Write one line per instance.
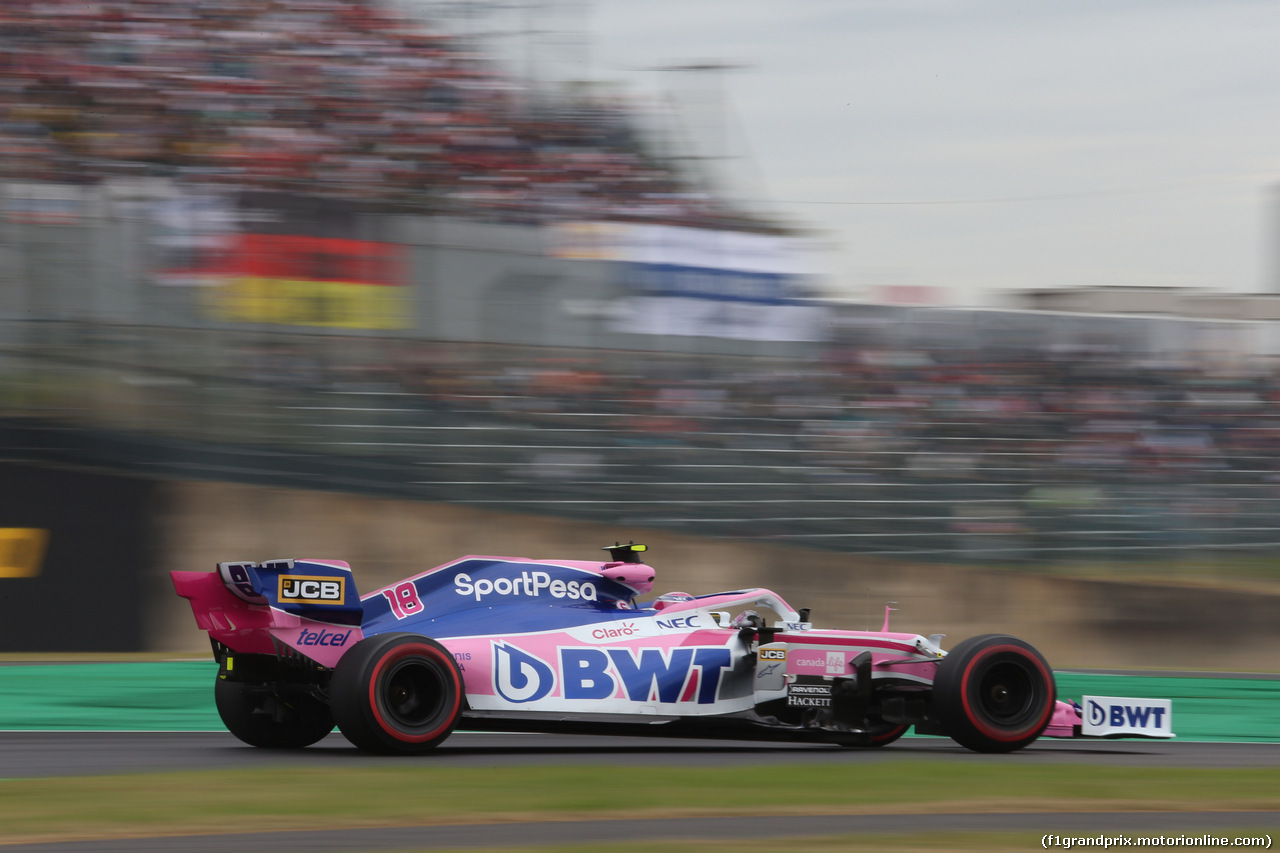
(515, 644)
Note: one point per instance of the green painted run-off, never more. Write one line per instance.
(178, 696)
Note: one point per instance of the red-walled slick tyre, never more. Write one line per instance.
(396, 693)
(879, 734)
(994, 693)
(883, 734)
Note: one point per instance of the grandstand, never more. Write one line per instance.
(308, 242)
(338, 98)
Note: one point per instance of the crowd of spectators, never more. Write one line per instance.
(337, 97)
(992, 455)
(992, 452)
(863, 414)
(983, 452)
(944, 415)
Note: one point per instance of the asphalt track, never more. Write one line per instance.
(43, 754)
(36, 754)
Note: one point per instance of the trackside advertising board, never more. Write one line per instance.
(75, 550)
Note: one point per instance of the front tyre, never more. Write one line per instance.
(263, 716)
(396, 694)
(994, 693)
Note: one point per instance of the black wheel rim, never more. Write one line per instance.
(1007, 693)
(412, 695)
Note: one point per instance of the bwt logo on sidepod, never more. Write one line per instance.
(314, 590)
(666, 675)
(531, 584)
(519, 676)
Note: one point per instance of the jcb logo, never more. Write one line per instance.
(22, 551)
(314, 590)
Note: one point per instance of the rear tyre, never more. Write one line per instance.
(879, 734)
(883, 734)
(396, 694)
(260, 716)
(994, 693)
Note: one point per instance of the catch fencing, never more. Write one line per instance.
(837, 457)
(468, 363)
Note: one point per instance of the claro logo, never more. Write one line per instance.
(313, 590)
(626, 629)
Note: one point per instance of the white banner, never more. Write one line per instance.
(720, 318)
(672, 245)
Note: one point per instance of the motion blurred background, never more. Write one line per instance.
(288, 276)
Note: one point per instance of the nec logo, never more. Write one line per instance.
(312, 589)
(683, 622)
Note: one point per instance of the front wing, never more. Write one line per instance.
(1112, 717)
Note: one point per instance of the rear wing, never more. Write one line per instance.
(278, 607)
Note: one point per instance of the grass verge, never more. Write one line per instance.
(923, 842)
(47, 809)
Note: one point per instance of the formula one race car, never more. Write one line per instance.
(513, 644)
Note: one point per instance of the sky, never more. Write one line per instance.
(961, 149)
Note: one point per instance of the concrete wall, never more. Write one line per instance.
(1076, 623)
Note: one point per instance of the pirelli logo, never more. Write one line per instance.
(22, 551)
(773, 654)
(313, 590)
